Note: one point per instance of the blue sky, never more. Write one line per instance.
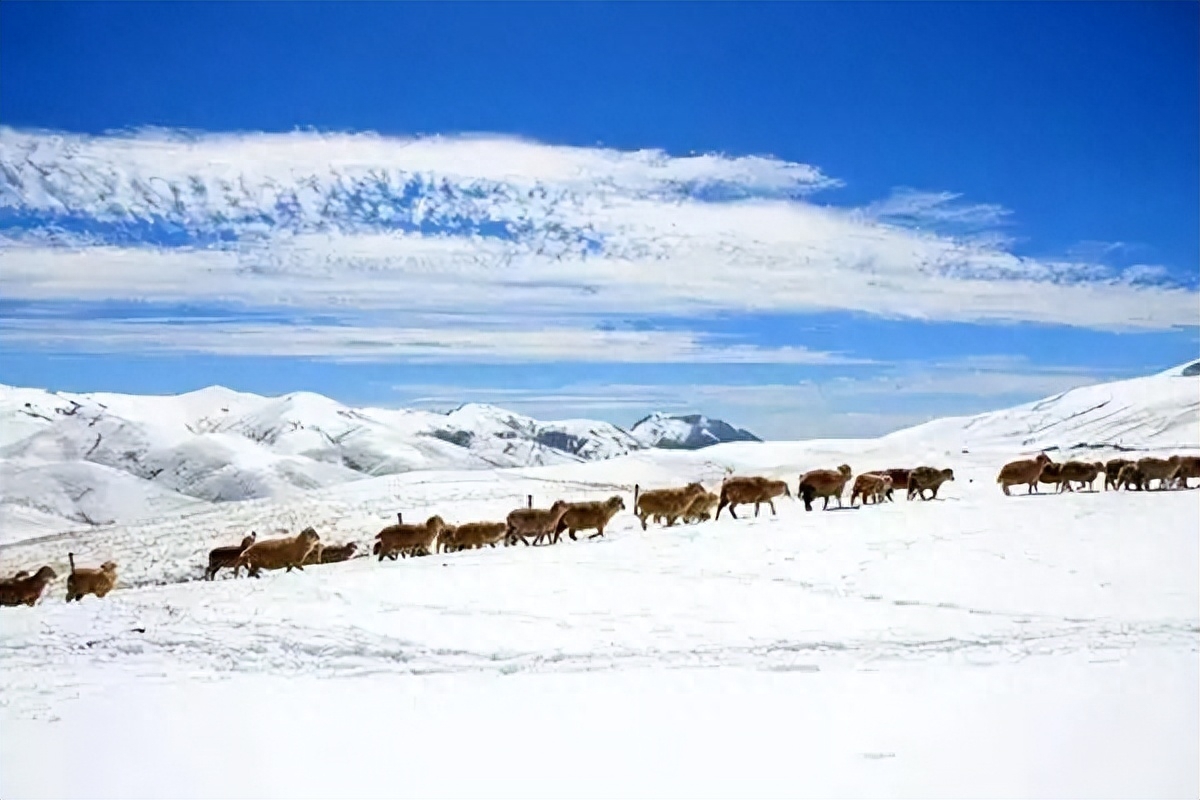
(813, 219)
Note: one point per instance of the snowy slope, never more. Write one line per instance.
(1158, 411)
(1041, 646)
(690, 432)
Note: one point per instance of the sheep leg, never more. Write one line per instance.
(732, 513)
(642, 517)
(771, 503)
(571, 533)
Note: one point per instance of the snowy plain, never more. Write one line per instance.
(973, 646)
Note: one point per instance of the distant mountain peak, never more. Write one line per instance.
(687, 431)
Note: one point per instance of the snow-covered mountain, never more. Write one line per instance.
(67, 459)
(690, 432)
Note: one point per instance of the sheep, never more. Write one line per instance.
(1112, 469)
(287, 553)
(871, 487)
(1132, 477)
(25, 589)
(478, 534)
(1026, 471)
(899, 478)
(1158, 469)
(333, 553)
(589, 516)
(823, 483)
(447, 540)
(1082, 472)
(1186, 467)
(220, 557)
(538, 523)
(408, 540)
(930, 479)
(670, 504)
(90, 581)
(756, 489)
(701, 509)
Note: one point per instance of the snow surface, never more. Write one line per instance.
(978, 645)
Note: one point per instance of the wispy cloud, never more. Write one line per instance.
(350, 343)
(522, 234)
(911, 206)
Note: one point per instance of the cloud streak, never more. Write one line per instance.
(519, 233)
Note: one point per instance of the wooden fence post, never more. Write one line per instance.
(529, 501)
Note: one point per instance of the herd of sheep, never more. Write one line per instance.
(689, 504)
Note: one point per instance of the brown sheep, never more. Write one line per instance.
(286, 553)
(1026, 471)
(1112, 469)
(447, 540)
(220, 557)
(25, 589)
(1186, 467)
(923, 479)
(871, 487)
(538, 523)
(756, 489)
(670, 504)
(701, 509)
(589, 516)
(90, 581)
(335, 553)
(478, 534)
(1082, 472)
(408, 540)
(1158, 469)
(1131, 477)
(899, 478)
(824, 483)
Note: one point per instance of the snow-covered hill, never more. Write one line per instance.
(1158, 411)
(690, 432)
(218, 445)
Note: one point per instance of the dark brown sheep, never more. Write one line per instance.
(1185, 467)
(1112, 469)
(899, 477)
(593, 516)
(25, 589)
(670, 504)
(1026, 471)
(927, 479)
(87, 580)
(1131, 477)
(222, 557)
(539, 524)
(871, 487)
(286, 553)
(754, 489)
(408, 540)
(1158, 469)
(824, 483)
